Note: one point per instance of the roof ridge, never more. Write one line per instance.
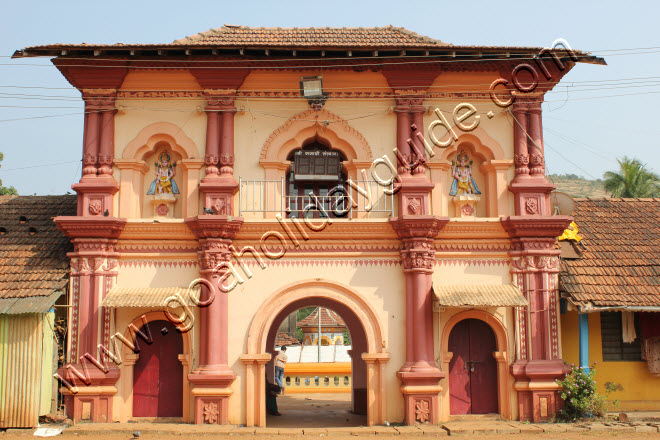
(229, 30)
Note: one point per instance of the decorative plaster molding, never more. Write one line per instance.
(311, 118)
(159, 263)
(156, 231)
(472, 262)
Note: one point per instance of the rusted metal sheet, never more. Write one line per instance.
(28, 304)
(21, 348)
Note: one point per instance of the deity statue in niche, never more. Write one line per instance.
(461, 171)
(165, 171)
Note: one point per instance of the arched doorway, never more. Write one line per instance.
(472, 369)
(368, 354)
(501, 356)
(158, 373)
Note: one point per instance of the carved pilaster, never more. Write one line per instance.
(213, 378)
(535, 265)
(98, 147)
(93, 270)
(219, 185)
(409, 111)
(420, 374)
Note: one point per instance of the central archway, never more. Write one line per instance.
(361, 321)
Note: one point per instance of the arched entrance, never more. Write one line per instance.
(472, 369)
(368, 357)
(498, 352)
(158, 373)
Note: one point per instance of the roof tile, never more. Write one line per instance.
(620, 263)
(33, 261)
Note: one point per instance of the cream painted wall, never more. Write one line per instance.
(136, 114)
(257, 118)
(382, 287)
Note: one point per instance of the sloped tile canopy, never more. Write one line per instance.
(479, 295)
(149, 297)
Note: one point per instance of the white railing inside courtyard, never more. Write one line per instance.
(367, 198)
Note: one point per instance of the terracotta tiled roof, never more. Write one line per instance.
(33, 261)
(620, 261)
(284, 339)
(376, 37)
(329, 318)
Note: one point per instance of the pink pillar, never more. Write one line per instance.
(417, 117)
(107, 147)
(535, 265)
(91, 141)
(97, 186)
(430, 339)
(212, 140)
(213, 378)
(402, 136)
(409, 324)
(537, 164)
(219, 185)
(227, 143)
(91, 262)
(420, 375)
(420, 301)
(520, 143)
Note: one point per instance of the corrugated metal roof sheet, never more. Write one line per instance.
(29, 304)
(482, 295)
(21, 363)
(147, 296)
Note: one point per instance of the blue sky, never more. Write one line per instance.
(584, 131)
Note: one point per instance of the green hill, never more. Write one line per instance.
(577, 186)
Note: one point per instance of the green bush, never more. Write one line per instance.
(580, 395)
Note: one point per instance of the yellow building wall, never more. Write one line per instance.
(637, 389)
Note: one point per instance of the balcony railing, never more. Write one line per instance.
(349, 200)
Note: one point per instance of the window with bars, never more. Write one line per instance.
(316, 178)
(611, 331)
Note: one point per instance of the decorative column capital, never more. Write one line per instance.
(409, 100)
(100, 100)
(418, 255)
(418, 227)
(220, 99)
(214, 226)
(529, 103)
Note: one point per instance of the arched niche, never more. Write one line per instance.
(501, 356)
(490, 172)
(321, 126)
(137, 170)
(368, 351)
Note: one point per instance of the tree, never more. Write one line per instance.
(3, 189)
(632, 180)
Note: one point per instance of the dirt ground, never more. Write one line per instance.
(320, 415)
(544, 436)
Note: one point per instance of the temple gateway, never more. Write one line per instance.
(234, 176)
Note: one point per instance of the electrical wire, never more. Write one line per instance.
(541, 149)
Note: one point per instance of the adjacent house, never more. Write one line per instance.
(237, 175)
(34, 278)
(610, 283)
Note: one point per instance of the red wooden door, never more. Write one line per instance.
(158, 374)
(472, 369)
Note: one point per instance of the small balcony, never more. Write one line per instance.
(259, 199)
